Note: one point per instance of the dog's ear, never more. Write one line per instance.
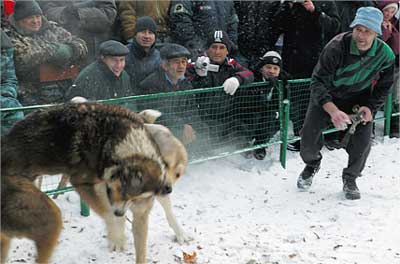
(109, 172)
(149, 116)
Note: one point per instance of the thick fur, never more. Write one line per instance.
(110, 155)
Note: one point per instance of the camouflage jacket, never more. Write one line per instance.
(31, 51)
(9, 84)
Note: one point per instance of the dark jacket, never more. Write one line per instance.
(90, 20)
(193, 21)
(176, 110)
(96, 82)
(140, 64)
(216, 104)
(305, 34)
(342, 73)
(256, 33)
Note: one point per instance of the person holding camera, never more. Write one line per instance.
(343, 79)
(214, 69)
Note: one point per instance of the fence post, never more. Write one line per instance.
(388, 114)
(284, 132)
(85, 210)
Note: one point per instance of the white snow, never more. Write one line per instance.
(248, 211)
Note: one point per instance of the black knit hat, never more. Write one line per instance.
(271, 57)
(144, 23)
(170, 51)
(219, 36)
(113, 48)
(26, 8)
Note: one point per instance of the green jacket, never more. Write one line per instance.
(343, 72)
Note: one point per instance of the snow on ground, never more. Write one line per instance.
(248, 211)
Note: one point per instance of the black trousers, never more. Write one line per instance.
(358, 148)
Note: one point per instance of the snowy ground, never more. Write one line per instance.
(247, 211)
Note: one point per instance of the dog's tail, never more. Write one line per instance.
(149, 116)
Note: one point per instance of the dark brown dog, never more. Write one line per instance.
(107, 152)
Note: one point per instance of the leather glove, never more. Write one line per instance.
(201, 65)
(230, 85)
(62, 55)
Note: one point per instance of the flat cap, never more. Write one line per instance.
(113, 48)
(172, 50)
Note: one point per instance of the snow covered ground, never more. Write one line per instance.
(248, 211)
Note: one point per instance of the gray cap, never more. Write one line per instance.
(113, 48)
(170, 51)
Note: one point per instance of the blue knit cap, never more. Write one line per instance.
(369, 17)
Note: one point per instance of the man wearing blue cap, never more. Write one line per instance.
(347, 68)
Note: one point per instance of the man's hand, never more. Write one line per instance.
(309, 6)
(230, 85)
(367, 114)
(339, 118)
(189, 134)
(201, 65)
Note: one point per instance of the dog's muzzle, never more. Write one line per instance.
(167, 189)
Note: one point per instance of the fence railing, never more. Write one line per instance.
(258, 115)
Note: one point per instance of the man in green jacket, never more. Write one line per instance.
(344, 76)
(105, 78)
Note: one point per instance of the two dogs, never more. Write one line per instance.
(114, 158)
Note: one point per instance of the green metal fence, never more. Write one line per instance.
(258, 115)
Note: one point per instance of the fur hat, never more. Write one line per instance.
(113, 48)
(26, 8)
(219, 36)
(271, 57)
(145, 22)
(170, 51)
(369, 17)
(384, 4)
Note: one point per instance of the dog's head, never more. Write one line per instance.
(172, 152)
(132, 178)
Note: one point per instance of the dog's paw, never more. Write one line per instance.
(117, 244)
(183, 238)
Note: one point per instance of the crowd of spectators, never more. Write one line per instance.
(110, 48)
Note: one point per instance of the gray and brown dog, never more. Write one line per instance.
(111, 156)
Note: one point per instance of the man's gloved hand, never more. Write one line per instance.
(78, 100)
(62, 55)
(230, 85)
(201, 65)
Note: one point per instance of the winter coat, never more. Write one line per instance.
(9, 85)
(90, 20)
(193, 21)
(130, 10)
(256, 34)
(140, 64)
(305, 34)
(97, 81)
(342, 73)
(32, 51)
(217, 104)
(176, 110)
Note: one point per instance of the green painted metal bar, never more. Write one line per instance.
(388, 114)
(284, 132)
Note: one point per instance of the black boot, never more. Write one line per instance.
(260, 153)
(350, 189)
(306, 177)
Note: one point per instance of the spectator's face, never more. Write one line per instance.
(176, 67)
(31, 24)
(270, 71)
(145, 38)
(388, 13)
(364, 37)
(116, 64)
(217, 52)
